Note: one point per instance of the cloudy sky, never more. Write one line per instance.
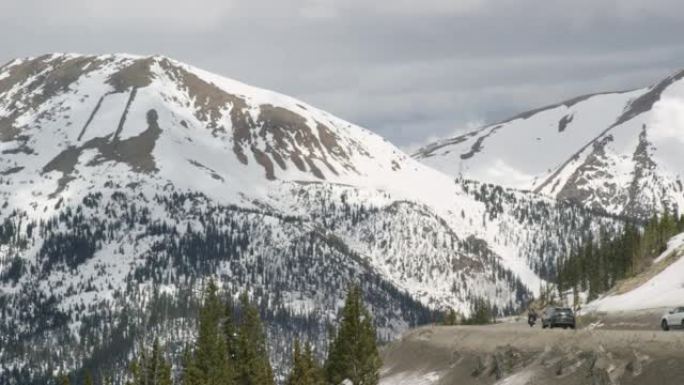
(411, 70)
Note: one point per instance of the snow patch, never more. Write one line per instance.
(411, 378)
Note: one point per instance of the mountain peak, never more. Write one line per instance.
(615, 152)
(77, 122)
(86, 103)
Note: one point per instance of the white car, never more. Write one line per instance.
(673, 319)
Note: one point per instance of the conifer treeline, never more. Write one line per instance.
(227, 352)
(599, 264)
(481, 313)
(313, 264)
(305, 369)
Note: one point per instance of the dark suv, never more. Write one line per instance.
(558, 317)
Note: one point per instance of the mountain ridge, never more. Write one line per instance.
(589, 149)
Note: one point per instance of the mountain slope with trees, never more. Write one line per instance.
(126, 183)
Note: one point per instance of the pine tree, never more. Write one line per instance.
(481, 310)
(136, 369)
(253, 365)
(158, 369)
(667, 227)
(88, 378)
(230, 332)
(305, 370)
(296, 371)
(190, 374)
(63, 380)
(211, 354)
(210, 363)
(561, 280)
(450, 317)
(151, 368)
(575, 298)
(353, 354)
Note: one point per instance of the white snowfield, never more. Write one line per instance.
(662, 291)
(188, 155)
(619, 152)
(522, 152)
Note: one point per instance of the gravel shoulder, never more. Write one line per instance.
(610, 349)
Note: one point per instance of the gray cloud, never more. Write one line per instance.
(407, 69)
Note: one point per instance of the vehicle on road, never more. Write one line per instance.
(553, 317)
(673, 319)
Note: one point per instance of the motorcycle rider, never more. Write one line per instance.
(531, 316)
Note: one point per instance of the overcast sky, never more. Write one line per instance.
(409, 70)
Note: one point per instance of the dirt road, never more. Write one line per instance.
(610, 349)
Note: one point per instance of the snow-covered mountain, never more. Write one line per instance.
(125, 182)
(617, 151)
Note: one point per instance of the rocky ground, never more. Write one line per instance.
(622, 348)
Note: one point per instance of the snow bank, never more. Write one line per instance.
(664, 290)
(411, 378)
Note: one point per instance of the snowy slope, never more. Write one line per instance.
(233, 138)
(77, 124)
(126, 181)
(666, 289)
(617, 152)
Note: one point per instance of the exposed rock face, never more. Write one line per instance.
(645, 102)
(579, 186)
(644, 172)
(137, 74)
(273, 134)
(563, 123)
(477, 146)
